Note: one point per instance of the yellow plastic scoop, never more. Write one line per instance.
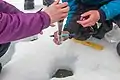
(90, 44)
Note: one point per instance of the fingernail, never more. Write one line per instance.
(78, 21)
(66, 3)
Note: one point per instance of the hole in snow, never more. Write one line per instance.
(61, 73)
(63, 66)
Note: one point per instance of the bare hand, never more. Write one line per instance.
(63, 38)
(57, 11)
(93, 17)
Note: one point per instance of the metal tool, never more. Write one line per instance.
(65, 35)
(60, 25)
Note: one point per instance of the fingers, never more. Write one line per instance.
(63, 38)
(57, 11)
(91, 18)
(52, 25)
(64, 15)
(55, 40)
(62, 5)
(65, 10)
(41, 32)
(86, 14)
(86, 23)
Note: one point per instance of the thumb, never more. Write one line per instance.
(86, 14)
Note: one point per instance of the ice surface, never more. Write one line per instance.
(39, 59)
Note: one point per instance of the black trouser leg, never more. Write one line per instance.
(117, 21)
(3, 50)
(29, 4)
(0, 67)
(47, 2)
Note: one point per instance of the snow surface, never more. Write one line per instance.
(39, 59)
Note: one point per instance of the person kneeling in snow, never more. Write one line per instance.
(88, 18)
(15, 25)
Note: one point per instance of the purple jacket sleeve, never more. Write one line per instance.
(20, 25)
(8, 8)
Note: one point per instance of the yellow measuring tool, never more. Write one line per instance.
(90, 44)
